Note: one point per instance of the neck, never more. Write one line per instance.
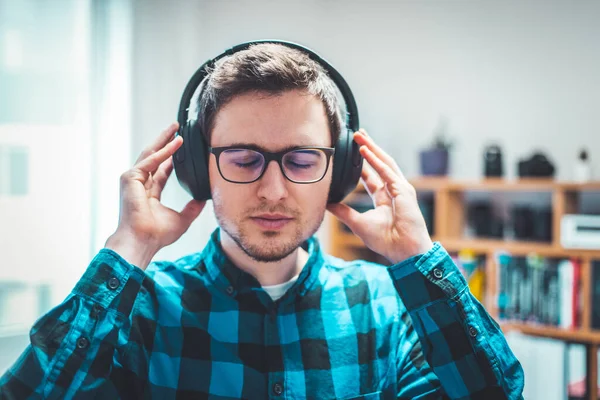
(267, 273)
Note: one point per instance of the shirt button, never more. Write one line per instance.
(113, 283)
(472, 331)
(278, 389)
(229, 290)
(82, 343)
(438, 273)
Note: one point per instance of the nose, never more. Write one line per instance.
(272, 185)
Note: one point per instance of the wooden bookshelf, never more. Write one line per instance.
(487, 246)
(450, 221)
(517, 248)
(502, 185)
(553, 332)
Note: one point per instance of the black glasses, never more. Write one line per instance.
(247, 164)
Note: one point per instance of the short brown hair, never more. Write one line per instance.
(266, 68)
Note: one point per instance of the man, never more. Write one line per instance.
(262, 312)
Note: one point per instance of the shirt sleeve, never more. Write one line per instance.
(73, 346)
(462, 344)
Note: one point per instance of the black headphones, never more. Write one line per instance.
(191, 159)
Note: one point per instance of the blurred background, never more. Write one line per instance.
(489, 107)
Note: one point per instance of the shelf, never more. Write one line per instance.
(502, 185)
(517, 248)
(580, 187)
(428, 184)
(521, 248)
(552, 332)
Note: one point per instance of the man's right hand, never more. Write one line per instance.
(146, 225)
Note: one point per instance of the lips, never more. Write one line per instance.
(272, 216)
(271, 221)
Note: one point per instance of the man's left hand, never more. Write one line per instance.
(395, 227)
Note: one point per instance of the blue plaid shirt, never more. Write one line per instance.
(201, 328)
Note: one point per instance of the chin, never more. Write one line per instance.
(268, 254)
(269, 245)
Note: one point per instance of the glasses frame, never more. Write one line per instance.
(272, 156)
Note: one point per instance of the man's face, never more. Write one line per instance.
(246, 211)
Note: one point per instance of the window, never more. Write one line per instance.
(14, 170)
(64, 101)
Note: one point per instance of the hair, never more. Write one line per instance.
(268, 68)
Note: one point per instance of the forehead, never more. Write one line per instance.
(293, 118)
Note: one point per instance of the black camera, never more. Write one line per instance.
(537, 166)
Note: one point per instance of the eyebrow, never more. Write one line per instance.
(252, 146)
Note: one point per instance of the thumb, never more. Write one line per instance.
(347, 215)
(191, 211)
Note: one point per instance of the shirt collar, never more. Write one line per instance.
(232, 280)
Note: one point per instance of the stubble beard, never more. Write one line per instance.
(271, 246)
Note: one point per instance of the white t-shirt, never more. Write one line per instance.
(277, 291)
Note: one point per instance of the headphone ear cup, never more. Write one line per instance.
(191, 162)
(347, 167)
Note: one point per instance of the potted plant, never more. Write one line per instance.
(434, 160)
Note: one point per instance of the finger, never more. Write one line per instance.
(389, 176)
(375, 187)
(191, 211)
(347, 215)
(149, 182)
(364, 140)
(160, 142)
(161, 177)
(371, 181)
(153, 161)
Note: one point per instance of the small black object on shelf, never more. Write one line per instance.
(536, 166)
(542, 227)
(532, 223)
(522, 217)
(483, 221)
(492, 161)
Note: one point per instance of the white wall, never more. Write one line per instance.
(524, 74)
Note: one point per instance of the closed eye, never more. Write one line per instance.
(250, 164)
(299, 166)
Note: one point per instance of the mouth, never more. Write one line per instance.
(271, 221)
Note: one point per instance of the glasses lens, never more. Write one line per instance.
(305, 165)
(241, 165)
